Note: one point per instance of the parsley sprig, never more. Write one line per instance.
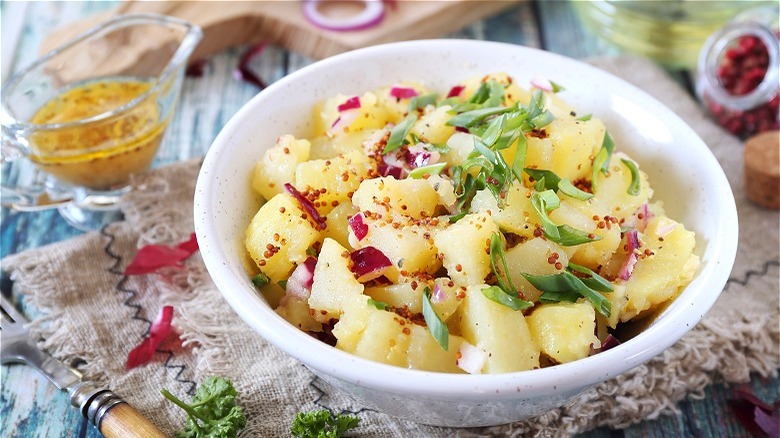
(213, 412)
(322, 424)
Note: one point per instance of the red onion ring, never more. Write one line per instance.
(371, 15)
(242, 71)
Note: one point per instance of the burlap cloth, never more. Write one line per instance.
(95, 314)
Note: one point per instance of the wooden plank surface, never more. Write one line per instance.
(31, 407)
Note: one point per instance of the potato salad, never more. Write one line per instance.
(487, 228)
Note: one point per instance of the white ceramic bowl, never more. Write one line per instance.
(681, 168)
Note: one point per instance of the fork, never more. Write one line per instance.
(113, 416)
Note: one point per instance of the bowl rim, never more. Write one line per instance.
(678, 317)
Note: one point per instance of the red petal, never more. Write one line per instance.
(158, 332)
(150, 258)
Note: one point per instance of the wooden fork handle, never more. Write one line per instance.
(113, 416)
(122, 420)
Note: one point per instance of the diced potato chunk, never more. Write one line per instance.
(369, 116)
(280, 216)
(338, 176)
(335, 287)
(384, 339)
(324, 147)
(337, 221)
(533, 257)
(397, 108)
(461, 144)
(565, 145)
(277, 166)
(408, 197)
(296, 312)
(410, 248)
(580, 215)
(353, 322)
(466, 248)
(564, 331)
(500, 331)
(518, 215)
(432, 127)
(612, 189)
(659, 277)
(426, 354)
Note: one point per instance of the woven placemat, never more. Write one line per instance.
(96, 314)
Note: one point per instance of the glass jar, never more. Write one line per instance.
(738, 74)
(669, 32)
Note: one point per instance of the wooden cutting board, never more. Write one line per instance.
(231, 23)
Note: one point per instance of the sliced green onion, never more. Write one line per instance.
(497, 252)
(536, 106)
(597, 282)
(556, 87)
(633, 188)
(585, 118)
(543, 119)
(440, 148)
(381, 305)
(282, 284)
(601, 161)
(566, 283)
(435, 325)
(566, 186)
(473, 117)
(520, 155)
(551, 180)
(418, 102)
(399, 133)
(433, 169)
(260, 280)
(570, 236)
(557, 297)
(495, 94)
(539, 201)
(494, 293)
(480, 95)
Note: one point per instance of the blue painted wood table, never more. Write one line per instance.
(31, 407)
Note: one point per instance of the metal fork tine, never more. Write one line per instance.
(11, 311)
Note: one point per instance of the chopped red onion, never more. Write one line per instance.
(369, 263)
(438, 294)
(665, 226)
(242, 71)
(300, 281)
(351, 103)
(403, 92)
(358, 226)
(541, 83)
(307, 206)
(371, 15)
(455, 91)
(345, 119)
(462, 129)
(609, 343)
(196, 68)
(393, 165)
(643, 216)
(161, 328)
(471, 359)
(632, 241)
(386, 170)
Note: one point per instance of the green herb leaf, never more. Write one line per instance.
(585, 118)
(213, 412)
(418, 102)
(565, 185)
(520, 155)
(536, 106)
(282, 284)
(495, 94)
(556, 87)
(570, 236)
(381, 305)
(595, 282)
(551, 180)
(435, 325)
(432, 169)
(473, 117)
(399, 132)
(566, 283)
(601, 161)
(543, 119)
(495, 293)
(322, 424)
(260, 280)
(633, 188)
(543, 202)
(480, 95)
(557, 297)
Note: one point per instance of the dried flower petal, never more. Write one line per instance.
(159, 331)
(150, 258)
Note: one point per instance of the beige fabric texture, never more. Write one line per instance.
(96, 314)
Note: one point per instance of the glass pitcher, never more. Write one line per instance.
(91, 114)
